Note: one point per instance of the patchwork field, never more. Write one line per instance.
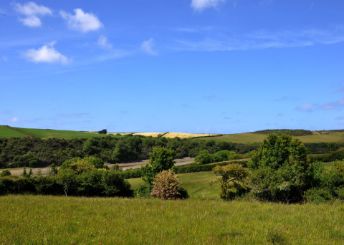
(243, 138)
(249, 138)
(61, 220)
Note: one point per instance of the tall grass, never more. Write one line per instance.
(61, 220)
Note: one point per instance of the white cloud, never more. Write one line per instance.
(200, 5)
(81, 21)
(46, 54)
(148, 47)
(31, 13)
(263, 40)
(104, 42)
(31, 21)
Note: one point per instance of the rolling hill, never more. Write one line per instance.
(325, 136)
(7, 132)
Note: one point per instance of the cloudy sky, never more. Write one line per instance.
(216, 66)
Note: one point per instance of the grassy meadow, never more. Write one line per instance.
(250, 138)
(7, 132)
(62, 220)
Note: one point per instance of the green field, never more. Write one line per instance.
(243, 138)
(202, 185)
(249, 138)
(61, 220)
(7, 132)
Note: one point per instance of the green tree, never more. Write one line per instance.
(160, 159)
(234, 181)
(280, 170)
(204, 157)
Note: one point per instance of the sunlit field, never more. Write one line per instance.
(61, 220)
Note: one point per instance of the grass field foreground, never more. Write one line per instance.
(61, 220)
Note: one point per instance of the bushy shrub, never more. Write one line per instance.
(280, 170)
(80, 165)
(143, 191)
(5, 172)
(90, 183)
(234, 180)
(340, 193)
(318, 195)
(166, 186)
(204, 157)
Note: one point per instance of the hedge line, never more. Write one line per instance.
(92, 183)
(192, 168)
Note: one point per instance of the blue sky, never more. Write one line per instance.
(212, 66)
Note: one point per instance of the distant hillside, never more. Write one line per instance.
(7, 132)
(306, 136)
(292, 132)
(325, 136)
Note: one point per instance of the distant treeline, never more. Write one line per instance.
(35, 152)
(291, 132)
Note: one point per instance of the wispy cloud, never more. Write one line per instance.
(46, 54)
(103, 42)
(310, 107)
(82, 21)
(31, 13)
(200, 5)
(148, 47)
(263, 40)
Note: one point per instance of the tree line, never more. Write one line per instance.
(35, 152)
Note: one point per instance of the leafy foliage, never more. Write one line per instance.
(160, 159)
(280, 170)
(234, 180)
(204, 157)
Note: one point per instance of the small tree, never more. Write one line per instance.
(233, 182)
(280, 170)
(203, 157)
(160, 159)
(166, 186)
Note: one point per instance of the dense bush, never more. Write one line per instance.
(330, 183)
(204, 157)
(76, 177)
(328, 157)
(234, 181)
(166, 186)
(5, 173)
(92, 183)
(318, 195)
(280, 170)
